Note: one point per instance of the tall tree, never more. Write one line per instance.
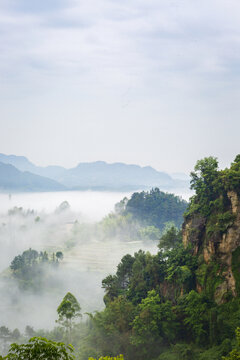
(68, 311)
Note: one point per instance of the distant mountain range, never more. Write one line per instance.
(11, 179)
(17, 173)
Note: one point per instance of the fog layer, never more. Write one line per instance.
(36, 221)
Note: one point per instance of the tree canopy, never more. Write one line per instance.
(40, 348)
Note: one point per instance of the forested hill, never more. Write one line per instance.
(156, 208)
(184, 302)
(153, 208)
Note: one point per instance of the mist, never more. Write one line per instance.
(69, 222)
(93, 205)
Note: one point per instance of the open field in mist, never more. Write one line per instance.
(89, 205)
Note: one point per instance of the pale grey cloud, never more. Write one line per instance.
(153, 82)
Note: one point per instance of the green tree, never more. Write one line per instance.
(155, 323)
(196, 308)
(5, 338)
(4, 332)
(235, 353)
(155, 208)
(110, 285)
(29, 331)
(204, 182)
(231, 177)
(171, 238)
(59, 255)
(40, 348)
(112, 327)
(150, 233)
(68, 311)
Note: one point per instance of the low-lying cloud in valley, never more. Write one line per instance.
(37, 221)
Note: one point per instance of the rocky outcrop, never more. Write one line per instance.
(193, 232)
(217, 248)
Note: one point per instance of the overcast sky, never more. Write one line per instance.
(153, 82)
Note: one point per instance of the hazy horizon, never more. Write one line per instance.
(173, 172)
(153, 83)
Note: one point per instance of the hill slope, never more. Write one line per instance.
(12, 179)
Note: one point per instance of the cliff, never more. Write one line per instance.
(218, 251)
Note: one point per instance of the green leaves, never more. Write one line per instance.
(211, 185)
(195, 307)
(235, 353)
(40, 348)
(170, 239)
(155, 208)
(69, 307)
(68, 310)
(155, 321)
(204, 180)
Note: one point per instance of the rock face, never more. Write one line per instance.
(218, 252)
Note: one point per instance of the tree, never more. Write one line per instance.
(196, 309)
(4, 333)
(155, 208)
(171, 238)
(68, 311)
(235, 353)
(5, 337)
(204, 182)
(30, 256)
(231, 176)
(236, 164)
(150, 233)
(154, 324)
(29, 331)
(59, 255)
(40, 348)
(17, 263)
(111, 286)
(112, 326)
(124, 271)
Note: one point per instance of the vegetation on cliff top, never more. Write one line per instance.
(211, 185)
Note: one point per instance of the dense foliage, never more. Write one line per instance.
(153, 307)
(40, 348)
(211, 186)
(154, 311)
(144, 216)
(30, 268)
(155, 208)
(235, 353)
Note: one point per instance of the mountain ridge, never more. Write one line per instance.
(99, 175)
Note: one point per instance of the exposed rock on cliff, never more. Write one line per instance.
(218, 251)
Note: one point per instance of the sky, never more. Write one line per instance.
(153, 82)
